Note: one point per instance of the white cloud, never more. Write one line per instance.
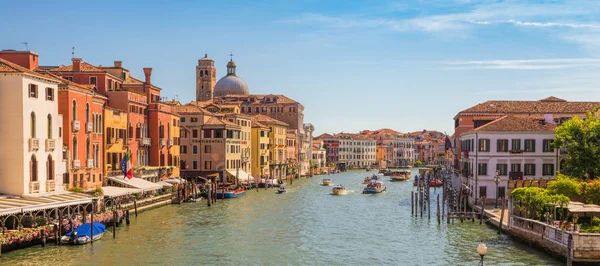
(523, 64)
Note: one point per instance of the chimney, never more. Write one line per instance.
(148, 73)
(26, 59)
(76, 64)
(118, 64)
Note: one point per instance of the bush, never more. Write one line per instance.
(592, 192)
(98, 192)
(564, 185)
(538, 200)
(76, 189)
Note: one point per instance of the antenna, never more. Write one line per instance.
(26, 46)
(73, 52)
(176, 97)
(231, 55)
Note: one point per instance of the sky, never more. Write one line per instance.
(354, 65)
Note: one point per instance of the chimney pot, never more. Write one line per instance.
(118, 63)
(148, 73)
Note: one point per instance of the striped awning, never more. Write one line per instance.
(14, 204)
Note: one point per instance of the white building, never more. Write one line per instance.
(403, 151)
(31, 159)
(319, 154)
(515, 147)
(356, 151)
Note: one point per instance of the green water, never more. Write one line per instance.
(305, 226)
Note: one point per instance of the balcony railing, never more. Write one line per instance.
(76, 164)
(76, 125)
(114, 173)
(170, 142)
(146, 141)
(515, 151)
(50, 145)
(34, 187)
(34, 144)
(50, 185)
(90, 163)
(89, 127)
(515, 175)
(162, 143)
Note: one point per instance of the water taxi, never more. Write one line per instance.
(402, 175)
(374, 187)
(281, 190)
(326, 182)
(338, 190)
(230, 192)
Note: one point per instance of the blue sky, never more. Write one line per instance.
(405, 65)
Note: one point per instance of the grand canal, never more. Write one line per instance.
(306, 226)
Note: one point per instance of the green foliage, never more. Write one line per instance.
(581, 139)
(419, 163)
(98, 192)
(564, 185)
(538, 200)
(591, 192)
(76, 189)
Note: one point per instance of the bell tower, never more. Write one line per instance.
(206, 77)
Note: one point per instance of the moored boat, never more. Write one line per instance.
(230, 192)
(374, 187)
(83, 234)
(338, 190)
(326, 182)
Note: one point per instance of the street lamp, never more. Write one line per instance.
(482, 250)
(497, 180)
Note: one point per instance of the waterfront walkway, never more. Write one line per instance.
(494, 215)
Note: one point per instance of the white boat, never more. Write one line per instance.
(338, 190)
(82, 234)
(374, 187)
(326, 182)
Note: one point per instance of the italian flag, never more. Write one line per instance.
(126, 167)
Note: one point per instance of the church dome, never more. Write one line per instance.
(231, 84)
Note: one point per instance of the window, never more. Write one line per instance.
(207, 149)
(482, 169)
(502, 169)
(483, 191)
(183, 149)
(32, 125)
(49, 127)
(529, 145)
(207, 165)
(502, 145)
(34, 169)
(501, 192)
(69, 78)
(195, 164)
(515, 167)
(195, 149)
(193, 119)
(218, 134)
(516, 145)
(74, 111)
(182, 119)
(50, 94)
(548, 169)
(529, 169)
(33, 91)
(93, 80)
(547, 143)
(484, 145)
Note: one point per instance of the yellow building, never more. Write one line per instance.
(115, 140)
(277, 145)
(260, 149)
(173, 147)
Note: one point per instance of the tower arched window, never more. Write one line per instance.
(201, 73)
(74, 111)
(49, 126)
(33, 169)
(32, 125)
(87, 112)
(50, 168)
(206, 72)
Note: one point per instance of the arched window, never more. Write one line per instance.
(87, 149)
(32, 125)
(33, 171)
(75, 153)
(87, 112)
(74, 111)
(49, 126)
(168, 130)
(201, 73)
(50, 168)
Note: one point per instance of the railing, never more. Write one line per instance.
(50, 185)
(34, 144)
(114, 173)
(50, 145)
(515, 175)
(90, 163)
(170, 142)
(89, 127)
(76, 164)
(34, 187)
(146, 141)
(145, 173)
(162, 143)
(515, 151)
(76, 125)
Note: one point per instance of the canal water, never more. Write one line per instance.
(305, 226)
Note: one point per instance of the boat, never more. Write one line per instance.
(375, 177)
(326, 182)
(281, 190)
(338, 190)
(81, 235)
(435, 183)
(230, 192)
(374, 187)
(402, 175)
(383, 171)
(337, 171)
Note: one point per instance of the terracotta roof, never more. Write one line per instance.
(352, 136)
(83, 67)
(515, 123)
(325, 136)
(550, 105)
(214, 121)
(267, 120)
(256, 123)
(187, 109)
(133, 81)
(7, 66)
(260, 97)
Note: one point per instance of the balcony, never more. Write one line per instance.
(127, 142)
(162, 143)
(89, 127)
(50, 185)
(146, 141)
(515, 175)
(76, 125)
(111, 141)
(515, 151)
(170, 143)
(34, 144)
(34, 187)
(76, 164)
(50, 145)
(90, 163)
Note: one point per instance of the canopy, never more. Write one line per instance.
(578, 207)
(136, 183)
(84, 229)
(110, 191)
(164, 184)
(174, 180)
(16, 204)
(243, 176)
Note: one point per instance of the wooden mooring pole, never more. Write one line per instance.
(482, 210)
(412, 207)
(209, 195)
(428, 204)
(501, 215)
(114, 227)
(438, 208)
(135, 207)
(92, 224)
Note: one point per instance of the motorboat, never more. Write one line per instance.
(281, 190)
(383, 171)
(230, 192)
(337, 171)
(375, 177)
(374, 187)
(366, 180)
(338, 190)
(84, 234)
(402, 175)
(326, 182)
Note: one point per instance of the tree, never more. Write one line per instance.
(581, 139)
(419, 163)
(564, 185)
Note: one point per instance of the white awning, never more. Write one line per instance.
(164, 184)
(174, 181)
(243, 176)
(136, 183)
(110, 191)
(15, 204)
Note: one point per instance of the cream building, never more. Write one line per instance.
(403, 149)
(31, 161)
(356, 150)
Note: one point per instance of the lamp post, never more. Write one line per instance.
(497, 180)
(482, 250)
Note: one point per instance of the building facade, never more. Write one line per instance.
(260, 149)
(356, 150)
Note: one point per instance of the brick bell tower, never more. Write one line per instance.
(206, 78)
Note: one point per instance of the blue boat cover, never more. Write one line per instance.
(84, 229)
